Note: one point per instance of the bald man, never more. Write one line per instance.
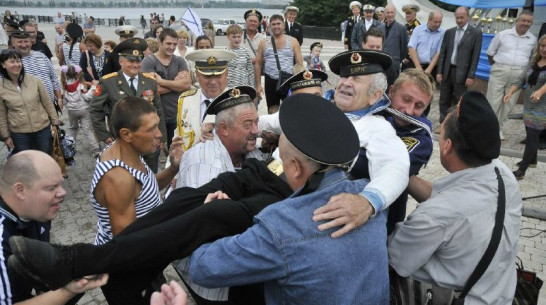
(30, 194)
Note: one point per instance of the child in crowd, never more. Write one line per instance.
(240, 70)
(313, 60)
(76, 99)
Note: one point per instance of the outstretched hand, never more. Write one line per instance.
(86, 283)
(346, 210)
(171, 294)
(216, 195)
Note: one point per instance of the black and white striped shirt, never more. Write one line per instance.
(39, 65)
(148, 199)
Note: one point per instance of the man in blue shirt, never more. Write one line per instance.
(284, 248)
(425, 44)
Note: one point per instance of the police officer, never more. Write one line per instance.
(128, 81)
(355, 7)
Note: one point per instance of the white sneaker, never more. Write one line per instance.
(502, 136)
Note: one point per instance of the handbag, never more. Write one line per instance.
(57, 150)
(528, 286)
(409, 291)
(283, 76)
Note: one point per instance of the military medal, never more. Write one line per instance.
(148, 95)
(98, 90)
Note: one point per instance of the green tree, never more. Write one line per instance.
(327, 12)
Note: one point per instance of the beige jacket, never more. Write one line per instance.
(27, 111)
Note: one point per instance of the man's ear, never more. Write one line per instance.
(448, 146)
(376, 95)
(125, 134)
(18, 188)
(223, 128)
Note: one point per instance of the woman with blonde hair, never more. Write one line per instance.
(181, 48)
(534, 105)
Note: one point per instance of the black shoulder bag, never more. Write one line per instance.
(283, 76)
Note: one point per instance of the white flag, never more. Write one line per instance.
(192, 21)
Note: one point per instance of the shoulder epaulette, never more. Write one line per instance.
(149, 75)
(107, 76)
(188, 92)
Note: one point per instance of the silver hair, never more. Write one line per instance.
(378, 82)
(230, 115)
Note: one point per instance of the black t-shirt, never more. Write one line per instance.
(42, 47)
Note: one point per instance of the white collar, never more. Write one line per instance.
(127, 77)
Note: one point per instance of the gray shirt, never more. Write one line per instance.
(177, 64)
(442, 241)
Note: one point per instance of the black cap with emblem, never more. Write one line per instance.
(479, 125)
(253, 12)
(361, 62)
(132, 48)
(306, 120)
(231, 98)
(305, 79)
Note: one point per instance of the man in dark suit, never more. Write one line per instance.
(395, 41)
(458, 60)
(351, 22)
(363, 26)
(292, 27)
(128, 81)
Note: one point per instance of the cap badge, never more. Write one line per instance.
(135, 53)
(253, 11)
(136, 41)
(211, 61)
(356, 58)
(235, 93)
(307, 75)
(127, 31)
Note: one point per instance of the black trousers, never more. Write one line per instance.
(450, 92)
(178, 227)
(271, 95)
(531, 147)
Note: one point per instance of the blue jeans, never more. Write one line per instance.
(39, 140)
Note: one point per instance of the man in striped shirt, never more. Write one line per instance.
(37, 64)
(123, 186)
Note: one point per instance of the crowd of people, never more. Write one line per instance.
(303, 205)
